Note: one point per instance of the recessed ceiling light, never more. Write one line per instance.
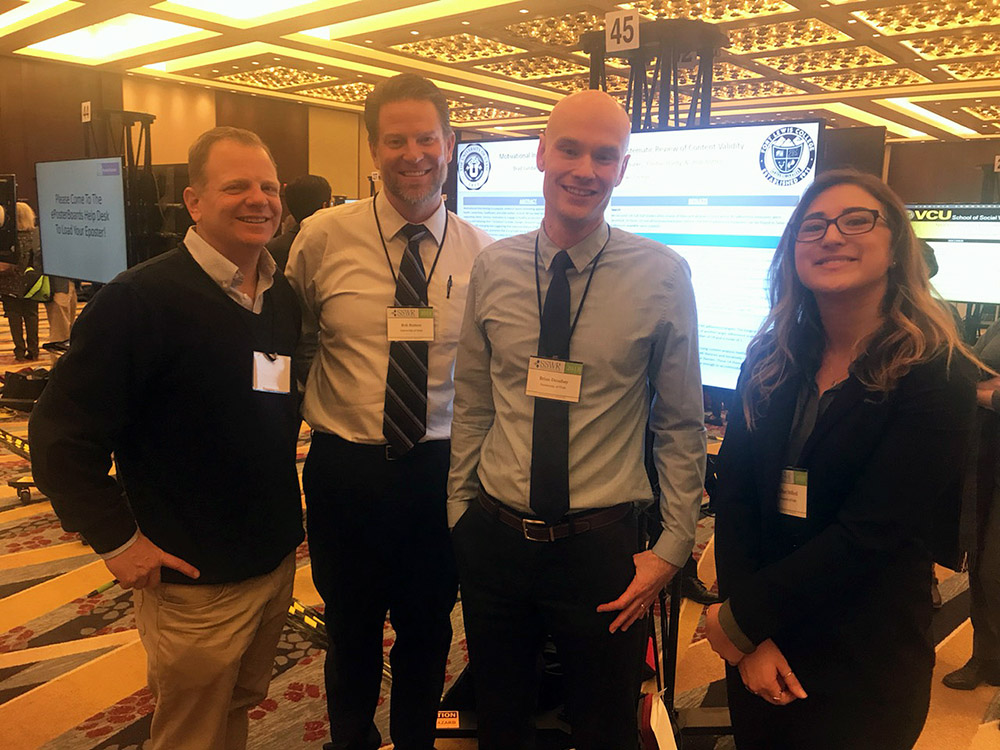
(368, 41)
(215, 70)
(236, 67)
(466, 23)
(276, 59)
(198, 75)
(415, 33)
(875, 35)
(319, 67)
(522, 10)
(254, 62)
(852, 20)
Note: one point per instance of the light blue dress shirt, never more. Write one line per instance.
(637, 338)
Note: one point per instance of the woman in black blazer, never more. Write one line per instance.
(838, 482)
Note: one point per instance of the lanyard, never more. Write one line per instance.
(437, 255)
(586, 289)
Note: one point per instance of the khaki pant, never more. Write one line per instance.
(61, 312)
(210, 650)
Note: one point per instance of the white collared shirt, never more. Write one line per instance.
(227, 274)
(339, 269)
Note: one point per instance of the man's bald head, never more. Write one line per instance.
(595, 107)
(583, 153)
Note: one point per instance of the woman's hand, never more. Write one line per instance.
(718, 639)
(766, 674)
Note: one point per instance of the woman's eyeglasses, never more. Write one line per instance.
(855, 221)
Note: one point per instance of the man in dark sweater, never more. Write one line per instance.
(180, 368)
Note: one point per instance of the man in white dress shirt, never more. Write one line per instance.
(383, 284)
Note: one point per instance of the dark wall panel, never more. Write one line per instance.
(940, 172)
(40, 114)
(283, 126)
(861, 148)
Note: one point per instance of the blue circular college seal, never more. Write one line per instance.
(474, 166)
(787, 155)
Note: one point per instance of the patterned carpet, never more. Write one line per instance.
(72, 671)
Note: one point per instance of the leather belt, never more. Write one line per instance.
(536, 530)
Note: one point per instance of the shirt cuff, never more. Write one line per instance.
(118, 550)
(733, 631)
(674, 551)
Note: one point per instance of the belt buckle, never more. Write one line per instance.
(390, 454)
(527, 523)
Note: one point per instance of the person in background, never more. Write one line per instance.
(61, 309)
(383, 284)
(982, 502)
(180, 369)
(839, 482)
(545, 484)
(304, 196)
(21, 313)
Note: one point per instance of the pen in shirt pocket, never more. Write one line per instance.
(447, 289)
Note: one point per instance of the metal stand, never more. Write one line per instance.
(654, 80)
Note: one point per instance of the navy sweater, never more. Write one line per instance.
(159, 374)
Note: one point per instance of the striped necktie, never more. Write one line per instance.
(405, 420)
(548, 494)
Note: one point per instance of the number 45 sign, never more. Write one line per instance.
(621, 30)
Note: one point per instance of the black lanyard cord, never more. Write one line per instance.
(444, 236)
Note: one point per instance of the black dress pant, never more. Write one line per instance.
(378, 539)
(22, 315)
(514, 593)
(984, 579)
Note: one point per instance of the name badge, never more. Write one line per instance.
(794, 488)
(554, 379)
(409, 323)
(272, 373)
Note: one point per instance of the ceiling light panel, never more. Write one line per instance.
(916, 18)
(114, 39)
(481, 114)
(561, 31)
(582, 83)
(276, 77)
(973, 71)
(753, 90)
(31, 13)
(347, 93)
(534, 68)
(823, 61)
(787, 35)
(867, 79)
(712, 11)
(458, 48)
(970, 44)
(246, 14)
(987, 112)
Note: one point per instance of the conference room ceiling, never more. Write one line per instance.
(925, 70)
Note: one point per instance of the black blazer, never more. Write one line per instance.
(845, 592)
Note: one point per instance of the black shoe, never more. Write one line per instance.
(972, 675)
(692, 588)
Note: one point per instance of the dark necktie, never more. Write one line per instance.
(549, 491)
(405, 419)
